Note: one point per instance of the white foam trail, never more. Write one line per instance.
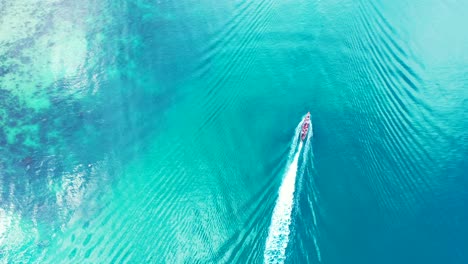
(278, 234)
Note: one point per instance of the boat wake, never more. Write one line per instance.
(278, 233)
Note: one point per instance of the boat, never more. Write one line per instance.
(305, 126)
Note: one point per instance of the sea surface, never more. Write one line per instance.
(167, 131)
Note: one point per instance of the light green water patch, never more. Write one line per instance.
(16, 234)
(26, 234)
(68, 51)
(52, 53)
(19, 19)
(29, 130)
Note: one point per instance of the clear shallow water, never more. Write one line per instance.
(159, 132)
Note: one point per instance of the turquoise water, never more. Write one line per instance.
(162, 132)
